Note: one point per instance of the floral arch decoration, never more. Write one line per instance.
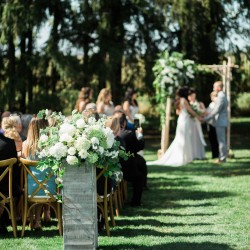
(171, 71)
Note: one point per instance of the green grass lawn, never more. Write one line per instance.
(198, 206)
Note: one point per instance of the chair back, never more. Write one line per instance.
(38, 184)
(6, 172)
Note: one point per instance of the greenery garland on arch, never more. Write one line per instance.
(171, 71)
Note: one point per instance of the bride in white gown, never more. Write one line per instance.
(180, 151)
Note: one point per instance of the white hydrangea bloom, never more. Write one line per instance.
(66, 138)
(59, 150)
(80, 123)
(67, 128)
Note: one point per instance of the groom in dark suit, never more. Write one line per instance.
(220, 120)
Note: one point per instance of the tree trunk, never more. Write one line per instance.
(11, 74)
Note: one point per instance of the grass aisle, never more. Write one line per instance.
(198, 206)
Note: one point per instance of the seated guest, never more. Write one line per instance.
(134, 169)
(7, 151)
(84, 97)
(104, 102)
(4, 114)
(11, 127)
(29, 151)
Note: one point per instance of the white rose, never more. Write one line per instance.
(80, 123)
(71, 151)
(83, 154)
(43, 138)
(72, 160)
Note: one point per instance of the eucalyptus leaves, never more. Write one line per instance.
(171, 72)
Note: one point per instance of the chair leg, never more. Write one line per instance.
(119, 195)
(59, 218)
(106, 220)
(24, 216)
(13, 218)
(115, 195)
(111, 211)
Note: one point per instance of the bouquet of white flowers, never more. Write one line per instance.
(75, 139)
(196, 108)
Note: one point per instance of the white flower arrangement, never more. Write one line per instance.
(76, 139)
(171, 71)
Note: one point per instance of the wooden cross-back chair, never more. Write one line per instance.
(33, 197)
(8, 198)
(105, 202)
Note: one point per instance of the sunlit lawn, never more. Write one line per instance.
(198, 206)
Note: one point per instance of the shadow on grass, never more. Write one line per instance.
(152, 222)
(46, 232)
(228, 169)
(149, 213)
(172, 246)
(137, 231)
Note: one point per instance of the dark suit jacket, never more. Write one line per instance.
(135, 167)
(7, 151)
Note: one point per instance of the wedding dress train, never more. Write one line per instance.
(180, 151)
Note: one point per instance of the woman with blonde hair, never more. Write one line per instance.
(10, 127)
(84, 97)
(104, 103)
(29, 151)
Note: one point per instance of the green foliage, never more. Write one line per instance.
(110, 44)
(44, 100)
(243, 103)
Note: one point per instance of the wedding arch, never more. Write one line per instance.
(170, 69)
